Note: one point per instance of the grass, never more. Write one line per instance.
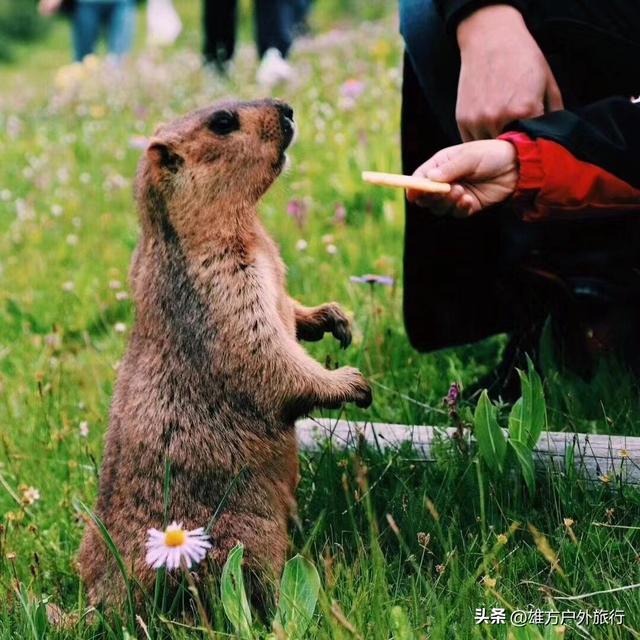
(67, 230)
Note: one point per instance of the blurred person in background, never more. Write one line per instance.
(163, 23)
(277, 22)
(472, 68)
(90, 18)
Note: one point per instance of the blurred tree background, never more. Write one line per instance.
(19, 22)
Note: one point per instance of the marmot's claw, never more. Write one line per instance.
(339, 323)
(365, 399)
(342, 333)
(360, 392)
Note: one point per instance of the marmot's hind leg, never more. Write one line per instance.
(102, 577)
(265, 547)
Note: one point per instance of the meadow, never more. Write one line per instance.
(404, 549)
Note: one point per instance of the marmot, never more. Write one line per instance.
(213, 378)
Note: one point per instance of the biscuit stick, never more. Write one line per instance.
(405, 182)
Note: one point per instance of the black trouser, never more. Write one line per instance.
(468, 279)
(274, 24)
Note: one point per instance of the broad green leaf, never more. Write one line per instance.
(525, 460)
(515, 422)
(233, 594)
(491, 440)
(534, 411)
(299, 589)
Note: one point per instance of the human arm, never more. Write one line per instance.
(504, 75)
(49, 7)
(565, 161)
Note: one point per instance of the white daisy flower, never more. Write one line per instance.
(30, 495)
(332, 249)
(169, 547)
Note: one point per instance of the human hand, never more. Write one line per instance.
(481, 173)
(503, 74)
(49, 7)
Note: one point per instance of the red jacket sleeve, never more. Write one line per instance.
(553, 182)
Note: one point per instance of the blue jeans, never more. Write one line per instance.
(116, 17)
(275, 22)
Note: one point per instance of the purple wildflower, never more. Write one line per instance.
(352, 89)
(297, 209)
(138, 142)
(371, 279)
(453, 396)
(340, 214)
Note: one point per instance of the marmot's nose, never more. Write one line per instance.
(286, 122)
(285, 110)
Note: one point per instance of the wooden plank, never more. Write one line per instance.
(607, 459)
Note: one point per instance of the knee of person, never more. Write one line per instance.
(427, 44)
(420, 23)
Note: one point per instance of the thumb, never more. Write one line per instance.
(462, 165)
(553, 97)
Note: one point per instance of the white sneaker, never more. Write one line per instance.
(274, 69)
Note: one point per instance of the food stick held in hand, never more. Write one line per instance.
(405, 182)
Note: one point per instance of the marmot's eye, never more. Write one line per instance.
(224, 122)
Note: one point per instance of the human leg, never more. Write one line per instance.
(121, 28)
(219, 19)
(86, 29)
(274, 23)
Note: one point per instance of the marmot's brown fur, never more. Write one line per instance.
(214, 377)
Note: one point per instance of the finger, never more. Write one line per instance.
(493, 130)
(461, 165)
(457, 191)
(446, 203)
(553, 96)
(423, 198)
(427, 201)
(524, 111)
(449, 199)
(464, 207)
(465, 133)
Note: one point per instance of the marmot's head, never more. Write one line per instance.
(228, 153)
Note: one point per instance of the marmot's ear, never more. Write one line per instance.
(163, 157)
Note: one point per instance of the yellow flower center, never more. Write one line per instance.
(175, 538)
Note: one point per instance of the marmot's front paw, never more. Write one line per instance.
(338, 323)
(359, 389)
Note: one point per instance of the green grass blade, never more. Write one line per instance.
(117, 557)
